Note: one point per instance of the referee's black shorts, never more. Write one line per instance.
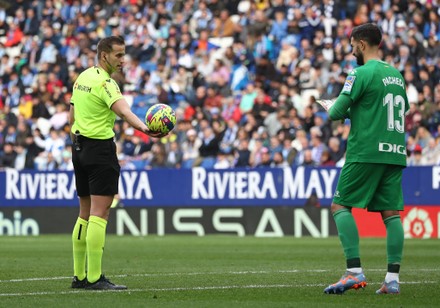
(96, 167)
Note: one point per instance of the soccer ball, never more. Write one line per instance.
(160, 118)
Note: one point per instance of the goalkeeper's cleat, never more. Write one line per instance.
(391, 287)
(348, 281)
(78, 284)
(104, 284)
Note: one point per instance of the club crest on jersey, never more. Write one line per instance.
(349, 83)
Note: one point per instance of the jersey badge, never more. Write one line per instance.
(349, 83)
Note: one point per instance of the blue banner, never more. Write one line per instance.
(202, 187)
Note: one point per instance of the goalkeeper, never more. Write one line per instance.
(374, 98)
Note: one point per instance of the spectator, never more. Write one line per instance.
(242, 153)
(39, 109)
(34, 146)
(423, 136)
(326, 160)
(66, 162)
(256, 152)
(7, 159)
(212, 100)
(279, 27)
(202, 46)
(60, 117)
(48, 53)
(220, 72)
(308, 160)
(430, 153)
(247, 99)
(229, 136)
(11, 134)
(262, 106)
(415, 159)
(190, 148)
(31, 24)
(54, 146)
(14, 35)
(139, 147)
(266, 160)
(158, 156)
(26, 78)
(209, 148)
(25, 107)
(317, 146)
(335, 151)
(240, 75)
(22, 131)
(174, 156)
(223, 160)
(223, 25)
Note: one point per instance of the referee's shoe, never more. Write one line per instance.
(78, 284)
(103, 284)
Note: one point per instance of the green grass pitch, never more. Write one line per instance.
(213, 271)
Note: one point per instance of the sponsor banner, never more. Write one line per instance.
(418, 222)
(202, 187)
(200, 221)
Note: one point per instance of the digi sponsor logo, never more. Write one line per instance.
(392, 148)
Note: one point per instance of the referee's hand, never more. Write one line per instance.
(154, 134)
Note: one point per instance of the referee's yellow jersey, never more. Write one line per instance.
(94, 92)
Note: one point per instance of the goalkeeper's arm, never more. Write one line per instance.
(337, 109)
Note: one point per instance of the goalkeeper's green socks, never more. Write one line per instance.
(395, 238)
(79, 248)
(95, 247)
(349, 237)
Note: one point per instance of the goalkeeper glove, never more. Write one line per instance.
(326, 103)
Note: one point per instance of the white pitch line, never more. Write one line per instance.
(208, 273)
(173, 274)
(204, 288)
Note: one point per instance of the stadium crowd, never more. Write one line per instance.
(243, 77)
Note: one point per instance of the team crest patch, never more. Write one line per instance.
(349, 83)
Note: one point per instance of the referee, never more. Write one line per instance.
(95, 102)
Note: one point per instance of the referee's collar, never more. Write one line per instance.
(100, 69)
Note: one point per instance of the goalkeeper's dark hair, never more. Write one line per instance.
(106, 44)
(369, 33)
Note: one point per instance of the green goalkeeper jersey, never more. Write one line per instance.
(374, 98)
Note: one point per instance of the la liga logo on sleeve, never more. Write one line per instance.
(349, 83)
